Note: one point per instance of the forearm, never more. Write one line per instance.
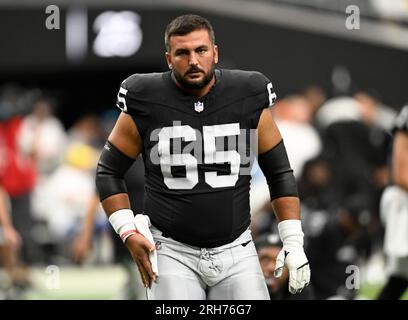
(115, 203)
(4, 215)
(286, 208)
(90, 214)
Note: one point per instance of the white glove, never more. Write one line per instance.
(293, 255)
(142, 223)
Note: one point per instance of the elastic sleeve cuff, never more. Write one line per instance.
(121, 218)
(289, 228)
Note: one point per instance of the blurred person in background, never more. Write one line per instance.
(337, 109)
(61, 199)
(87, 129)
(65, 196)
(18, 176)
(379, 119)
(85, 237)
(10, 242)
(355, 149)
(315, 185)
(394, 213)
(316, 97)
(43, 136)
(335, 241)
(316, 194)
(10, 235)
(268, 246)
(374, 112)
(83, 240)
(293, 116)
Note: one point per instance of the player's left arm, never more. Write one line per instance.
(274, 163)
(285, 201)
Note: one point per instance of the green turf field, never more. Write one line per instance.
(103, 283)
(369, 291)
(94, 283)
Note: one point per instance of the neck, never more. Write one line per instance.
(201, 92)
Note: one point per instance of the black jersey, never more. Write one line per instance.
(197, 152)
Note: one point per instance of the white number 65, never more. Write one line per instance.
(211, 156)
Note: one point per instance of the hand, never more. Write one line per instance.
(299, 270)
(293, 256)
(12, 237)
(139, 247)
(81, 247)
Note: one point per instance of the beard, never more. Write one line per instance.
(188, 84)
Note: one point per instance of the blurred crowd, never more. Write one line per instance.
(47, 182)
(50, 213)
(339, 150)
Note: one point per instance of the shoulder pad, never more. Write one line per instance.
(142, 85)
(254, 82)
(250, 83)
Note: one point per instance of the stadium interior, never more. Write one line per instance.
(338, 68)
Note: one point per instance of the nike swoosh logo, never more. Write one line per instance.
(245, 243)
(303, 265)
(286, 253)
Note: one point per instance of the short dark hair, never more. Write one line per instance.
(185, 24)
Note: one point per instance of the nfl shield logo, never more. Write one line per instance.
(198, 106)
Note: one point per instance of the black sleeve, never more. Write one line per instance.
(112, 166)
(279, 175)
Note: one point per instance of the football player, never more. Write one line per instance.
(194, 126)
(394, 212)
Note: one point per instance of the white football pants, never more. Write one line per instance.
(228, 272)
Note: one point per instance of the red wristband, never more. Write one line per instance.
(127, 234)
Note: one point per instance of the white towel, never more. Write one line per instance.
(142, 223)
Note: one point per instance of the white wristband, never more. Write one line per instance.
(291, 229)
(123, 223)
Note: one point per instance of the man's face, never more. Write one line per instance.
(267, 258)
(192, 58)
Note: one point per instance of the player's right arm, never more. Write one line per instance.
(123, 146)
(125, 137)
(274, 163)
